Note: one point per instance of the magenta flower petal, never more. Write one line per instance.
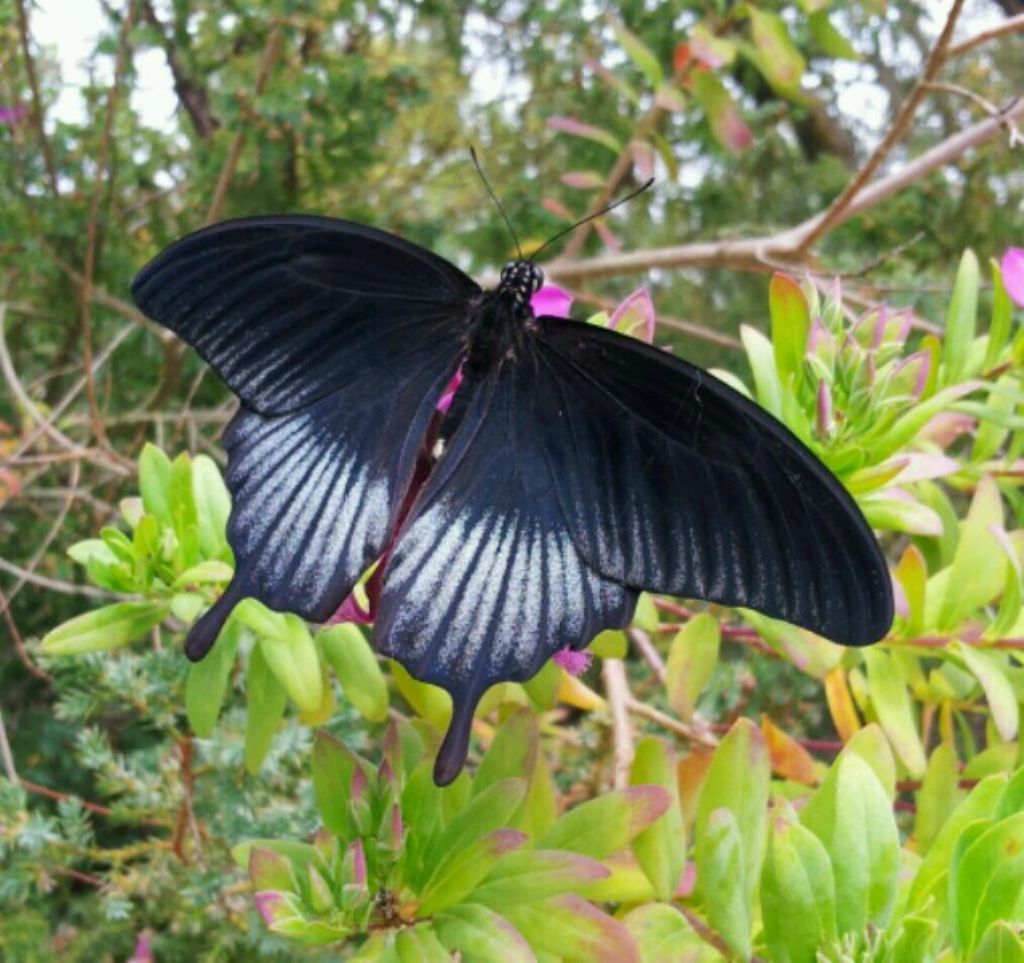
(1012, 267)
(13, 115)
(552, 301)
(575, 663)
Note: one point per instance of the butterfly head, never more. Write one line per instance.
(521, 279)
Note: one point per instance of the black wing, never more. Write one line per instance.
(339, 339)
(671, 481)
(485, 583)
(288, 308)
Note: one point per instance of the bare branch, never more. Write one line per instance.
(37, 101)
(616, 688)
(1011, 25)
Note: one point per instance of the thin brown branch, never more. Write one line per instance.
(650, 654)
(895, 133)
(227, 173)
(19, 642)
(97, 808)
(616, 689)
(709, 936)
(758, 253)
(92, 228)
(57, 585)
(6, 756)
(186, 816)
(1008, 26)
(691, 733)
(37, 101)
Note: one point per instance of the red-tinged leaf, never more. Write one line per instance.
(710, 50)
(912, 573)
(571, 929)
(613, 80)
(602, 826)
(482, 935)
(533, 874)
(569, 125)
(643, 159)
(557, 208)
(775, 54)
(691, 773)
(909, 377)
(270, 870)
(670, 98)
(727, 126)
(789, 759)
(663, 935)
(635, 316)
(583, 180)
(791, 323)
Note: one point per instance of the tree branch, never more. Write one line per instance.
(37, 101)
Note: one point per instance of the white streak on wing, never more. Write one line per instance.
(271, 494)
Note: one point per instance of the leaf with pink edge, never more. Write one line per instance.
(533, 874)
(663, 935)
(791, 323)
(727, 126)
(576, 128)
(660, 849)
(480, 934)
(571, 929)
(635, 316)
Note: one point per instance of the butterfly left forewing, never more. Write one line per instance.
(485, 583)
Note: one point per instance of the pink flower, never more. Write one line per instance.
(12, 115)
(552, 301)
(143, 948)
(1012, 267)
(575, 663)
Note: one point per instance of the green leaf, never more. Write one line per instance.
(334, 767)
(608, 823)
(1000, 944)
(354, 662)
(691, 661)
(534, 874)
(852, 816)
(266, 700)
(206, 684)
(973, 580)
(791, 323)
(610, 644)
(420, 944)
(205, 573)
(155, 483)
(1002, 315)
(481, 935)
(961, 320)
(184, 518)
(929, 888)
(660, 849)
(872, 746)
(663, 935)
(912, 573)
(988, 880)
(900, 515)
(646, 615)
(726, 122)
(430, 702)
(738, 780)
(938, 797)
(490, 810)
(108, 627)
(637, 51)
(892, 704)
(761, 356)
(830, 40)
(457, 877)
(288, 650)
(775, 55)
(213, 505)
(798, 900)
(512, 753)
(720, 869)
(990, 669)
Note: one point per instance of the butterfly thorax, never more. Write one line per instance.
(500, 317)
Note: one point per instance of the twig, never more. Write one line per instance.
(58, 522)
(6, 756)
(19, 642)
(651, 655)
(92, 807)
(186, 816)
(690, 733)
(37, 102)
(88, 272)
(1008, 26)
(616, 688)
(986, 105)
(64, 588)
(833, 214)
(752, 254)
(709, 936)
(227, 173)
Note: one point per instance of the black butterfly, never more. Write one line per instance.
(575, 467)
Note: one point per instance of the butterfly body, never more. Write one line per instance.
(574, 467)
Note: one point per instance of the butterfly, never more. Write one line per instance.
(574, 468)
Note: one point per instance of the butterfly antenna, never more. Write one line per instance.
(497, 203)
(590, 217)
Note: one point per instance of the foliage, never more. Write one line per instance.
(783, 798)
